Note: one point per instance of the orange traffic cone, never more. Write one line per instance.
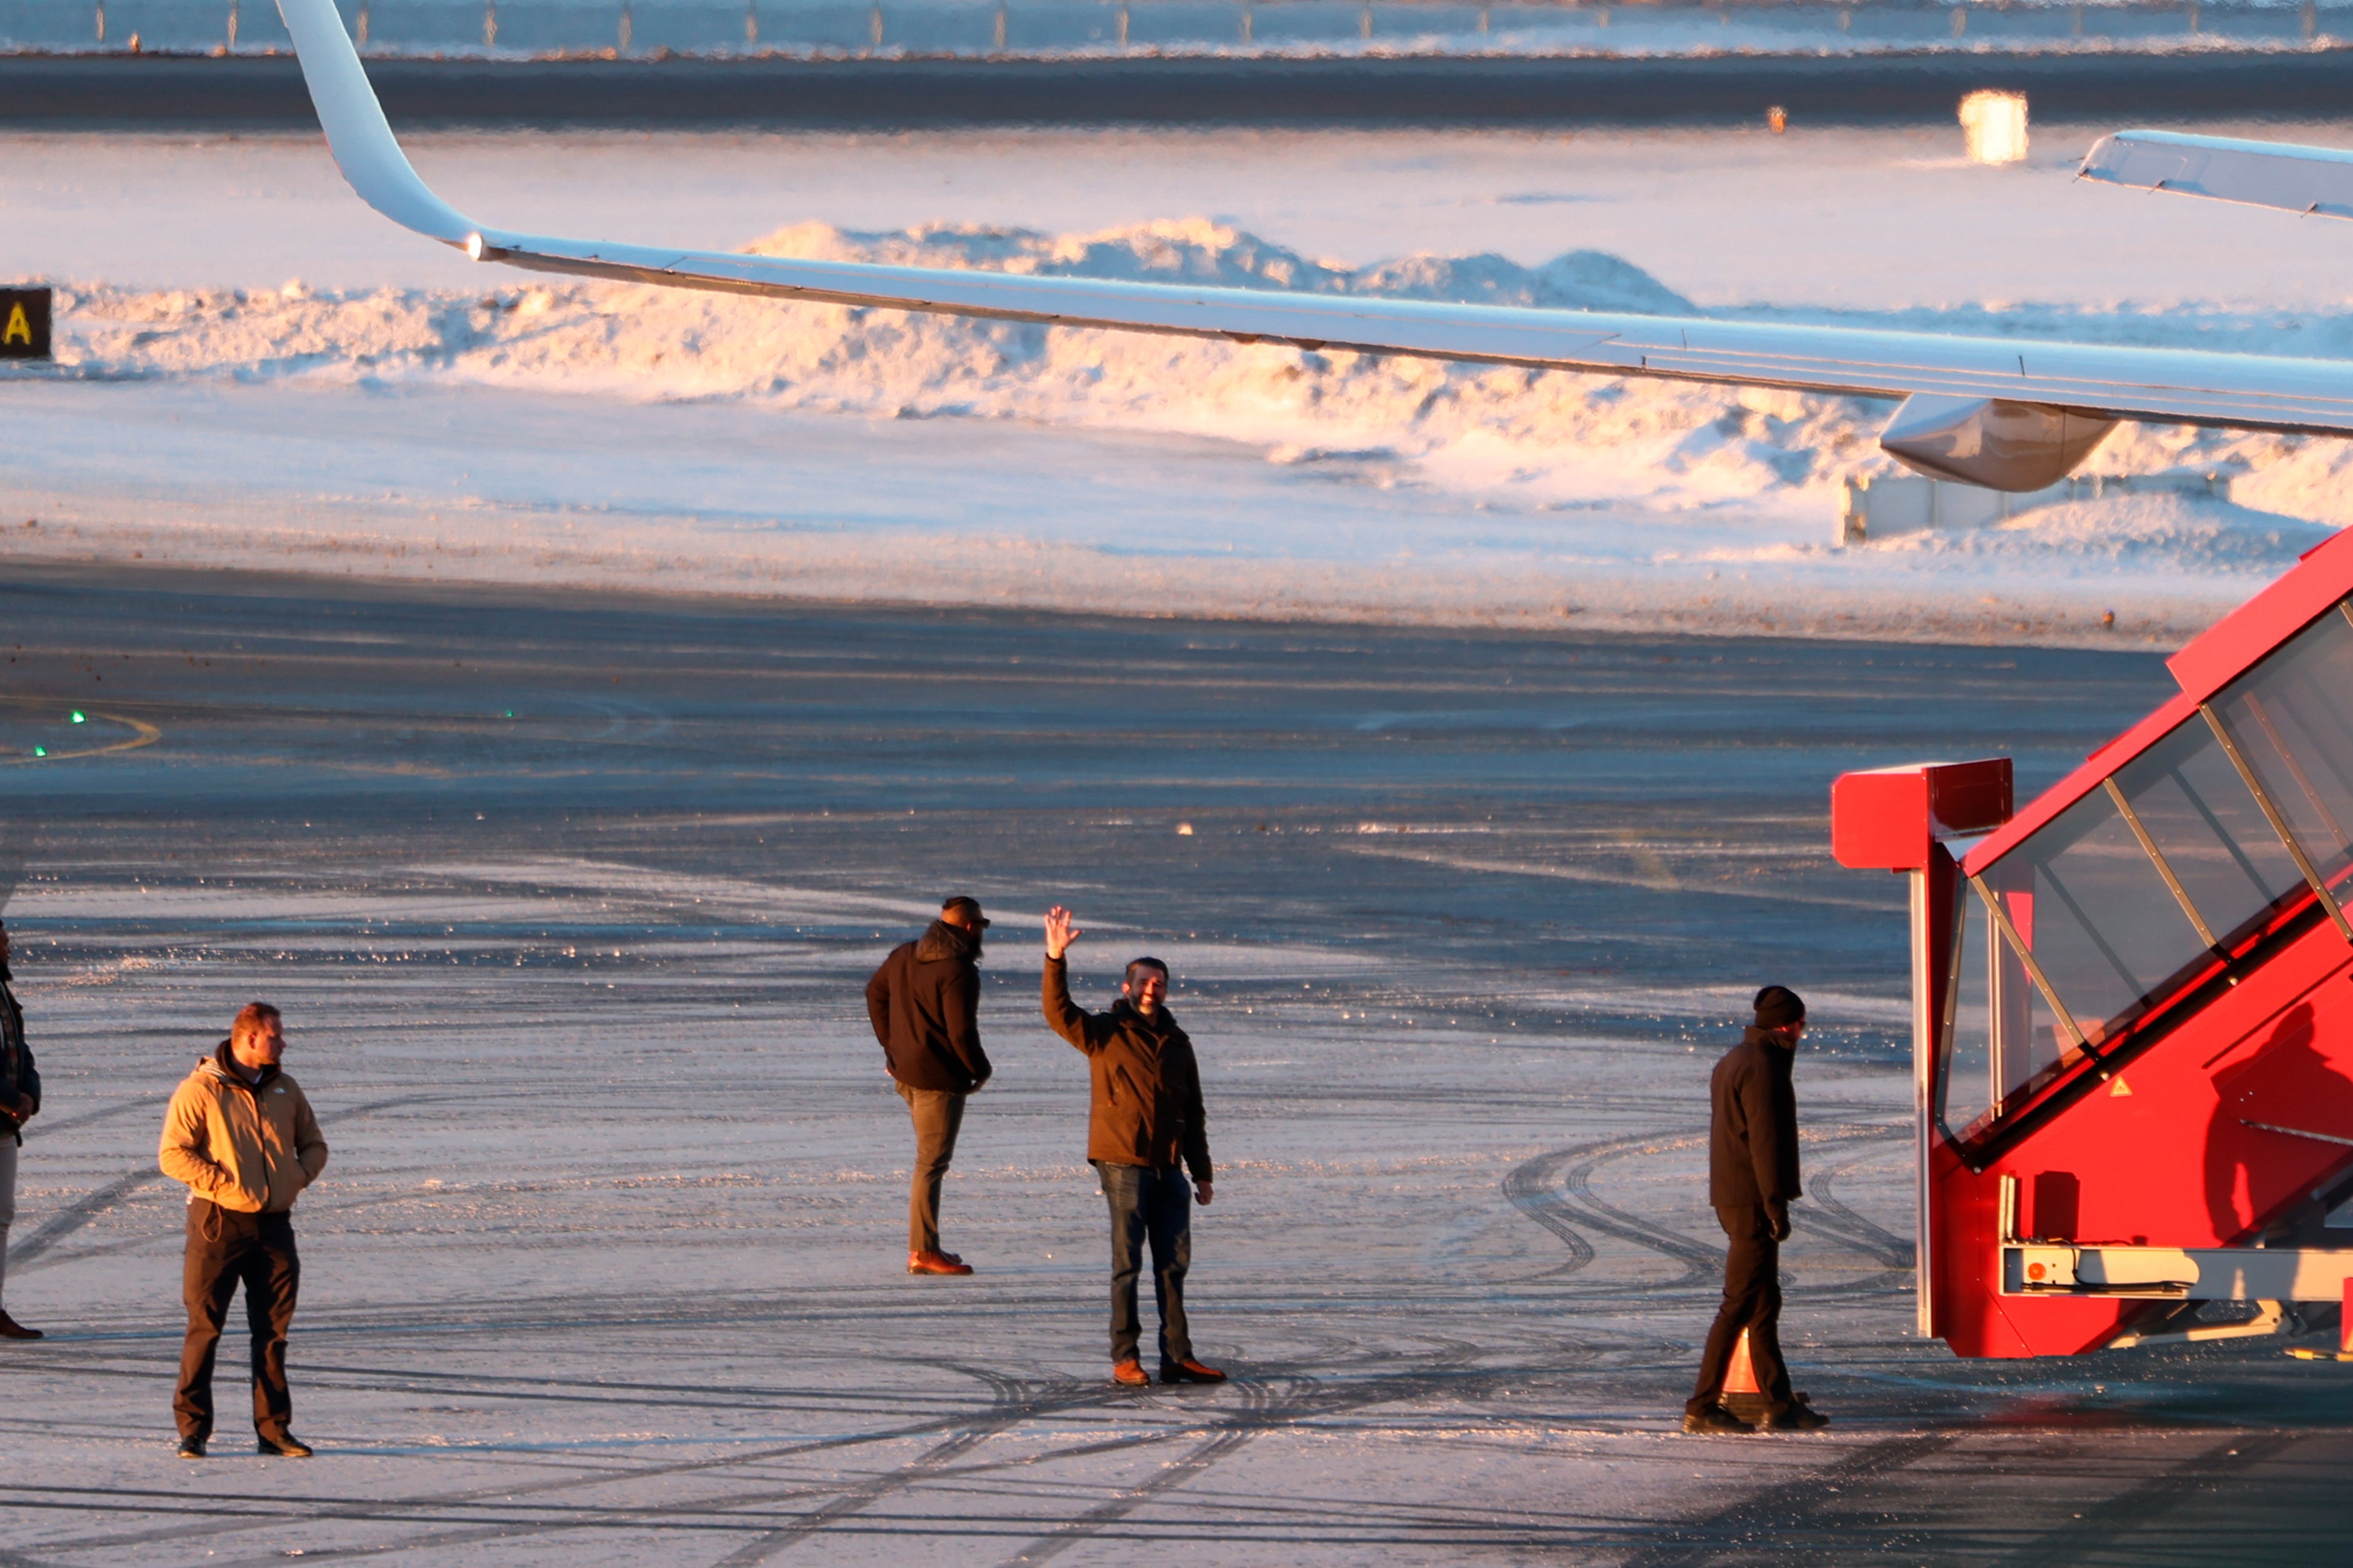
(1740, 1377)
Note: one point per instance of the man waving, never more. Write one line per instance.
(1144, 1115)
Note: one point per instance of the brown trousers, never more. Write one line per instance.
(937, 1114)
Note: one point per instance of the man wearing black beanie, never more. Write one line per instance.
(1752, 1174)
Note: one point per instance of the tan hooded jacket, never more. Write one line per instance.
(251, 1148)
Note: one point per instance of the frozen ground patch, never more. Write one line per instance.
(570, 900)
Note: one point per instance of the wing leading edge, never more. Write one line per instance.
(2171, 385)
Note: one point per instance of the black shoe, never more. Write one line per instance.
(1796, 1418)
(192, 1447)
(287, 1447)
(1714, 1418)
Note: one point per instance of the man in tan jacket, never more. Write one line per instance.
(241, 1135)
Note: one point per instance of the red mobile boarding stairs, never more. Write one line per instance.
(2133, 1002)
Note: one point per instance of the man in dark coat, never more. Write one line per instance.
(926, 1004)
(1752, 1175)
(20, 1101)
(1143, 1116)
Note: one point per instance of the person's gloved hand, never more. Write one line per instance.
(1776, 1220)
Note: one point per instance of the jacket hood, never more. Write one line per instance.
(942, 941)
(1752, 1035)
(219, 1065)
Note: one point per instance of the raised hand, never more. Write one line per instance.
(1059, 932)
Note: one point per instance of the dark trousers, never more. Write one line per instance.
(226, 1249)
(1154, 1204)
(937, 1113)
(1751, 1301)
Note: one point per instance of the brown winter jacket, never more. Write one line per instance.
(1752, 1156)
(1147, 1086)
(248, 1147)
(924, 1002)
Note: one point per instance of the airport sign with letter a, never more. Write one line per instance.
(23, 324)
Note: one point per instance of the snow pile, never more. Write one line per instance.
(1500, 490)
(1548, 438)
(1502, 435)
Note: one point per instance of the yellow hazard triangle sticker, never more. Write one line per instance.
(2119, 1090)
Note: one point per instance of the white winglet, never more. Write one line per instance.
(357, 133)
(2032, 381)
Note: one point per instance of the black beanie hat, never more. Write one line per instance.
(1777, 1007)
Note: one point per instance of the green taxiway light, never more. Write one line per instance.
(78, 717)
(41, 751)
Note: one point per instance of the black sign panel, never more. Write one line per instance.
(23, 324)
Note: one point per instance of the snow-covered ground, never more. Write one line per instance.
(396, 410)
(570, 899)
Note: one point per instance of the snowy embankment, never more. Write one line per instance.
(1390, 489)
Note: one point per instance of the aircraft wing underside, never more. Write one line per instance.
(2170, 386)
(2316, 181)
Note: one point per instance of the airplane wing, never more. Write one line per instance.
(2052, 382)
(2312, 180)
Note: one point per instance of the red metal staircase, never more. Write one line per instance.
(2133, 999)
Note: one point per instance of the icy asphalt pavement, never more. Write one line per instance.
(568, 900)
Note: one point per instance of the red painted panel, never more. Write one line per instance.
(2161, 1155)
(1967, 1309)
(2235, 643)
(1884, 818)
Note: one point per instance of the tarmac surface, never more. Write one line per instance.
(157, 93)
(568, 900)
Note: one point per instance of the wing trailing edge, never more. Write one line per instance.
(2166, 386)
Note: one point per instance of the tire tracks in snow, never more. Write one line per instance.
(1826, 1216)
(1556, 1190)
(1012, 1402)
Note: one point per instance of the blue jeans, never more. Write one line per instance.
(1154, 1204)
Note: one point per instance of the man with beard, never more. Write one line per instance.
(240, 1134)
(1143, 1116)
(20, 1101)
(925, 1005)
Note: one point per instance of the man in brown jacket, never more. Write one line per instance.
(1144, 1113)
(1752, 1175)
(240, 1134)
(925, 1004)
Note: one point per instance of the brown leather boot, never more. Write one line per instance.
(11, 1330)
(936, 1263)
(1129, 1373)
(1190, 1371)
